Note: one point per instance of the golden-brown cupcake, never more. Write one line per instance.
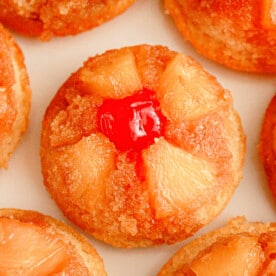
(15, 96)
(34, 244)
(239, 34)
(267, 147)
(239, 248)
(58, 18)
(141, 146)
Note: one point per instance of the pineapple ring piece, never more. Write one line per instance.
(238, 248)
(141, 146)
(35, 244)
(238, 34)
(267, 146)
(15, 96)
(58, 18)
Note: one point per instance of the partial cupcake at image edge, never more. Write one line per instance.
(240, 247)
(238, 34)
(15, 96)
(141, 146)
(267, 144)
(36, 244)
(45, 19)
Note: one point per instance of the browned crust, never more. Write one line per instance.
(228, 32)
(234, 226)
(91, 258)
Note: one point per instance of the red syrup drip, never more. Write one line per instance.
(132, 123)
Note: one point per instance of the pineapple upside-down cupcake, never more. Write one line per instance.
(267, 146)
(141, 146)
(236, 33)
(238, 248)
(58, 18)
(34, 244)
(15, 96)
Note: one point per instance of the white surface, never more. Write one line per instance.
(50, 63)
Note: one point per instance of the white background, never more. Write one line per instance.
(49, 64)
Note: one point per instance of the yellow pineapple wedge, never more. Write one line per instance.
(237, 255)
(114, 77)
(182, 93)
(29, 250)
(175, 177)
(91, 160)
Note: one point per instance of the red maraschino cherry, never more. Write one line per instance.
(131, 123)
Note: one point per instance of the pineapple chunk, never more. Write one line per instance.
(175, 177)
(186, 91)
(240, 255)
(113, 77)
(27, 249)
(90, 161)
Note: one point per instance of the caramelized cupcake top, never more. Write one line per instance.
(141, 146)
